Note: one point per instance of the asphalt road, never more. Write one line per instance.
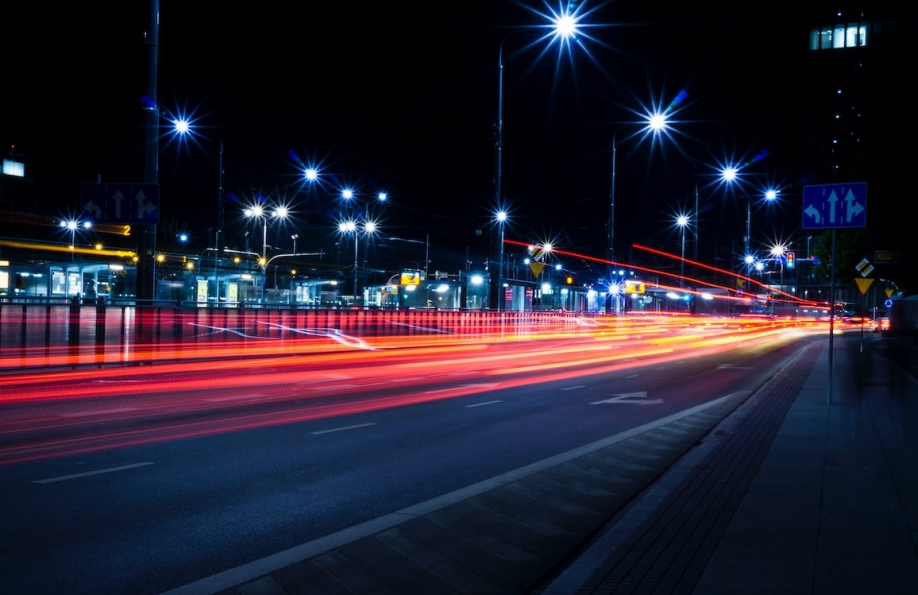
(177, 491)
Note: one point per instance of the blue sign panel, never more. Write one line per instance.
(830, 206)
(121, 203)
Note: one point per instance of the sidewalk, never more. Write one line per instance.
(831, 509)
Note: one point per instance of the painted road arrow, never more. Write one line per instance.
(630, 399)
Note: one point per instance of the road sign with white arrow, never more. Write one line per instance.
(121, 203)
(830, 206)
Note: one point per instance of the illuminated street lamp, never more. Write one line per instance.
(778, 252)
(682, 221)
(184, 127)
(259, 212)
(501, 219)
(352, 225)
(563, 27)
(656, 123)
(72, 225)
(730, 175)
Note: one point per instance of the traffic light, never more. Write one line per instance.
(790, 260)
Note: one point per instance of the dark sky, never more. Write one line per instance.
(403, 97)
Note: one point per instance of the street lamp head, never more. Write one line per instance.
(501, 216)
(347, 194)
(311, 174)
(181, 125)
(682, 220)
(382, 196)
(281, 212)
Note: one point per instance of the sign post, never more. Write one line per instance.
(834, 206)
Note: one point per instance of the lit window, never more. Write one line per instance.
(838, 37)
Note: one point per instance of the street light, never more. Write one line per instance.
(184, 127)
(294, 238)
(655, 123)
(345, 227)
(778, 252)
(564, 26)
(501, 219)
(258, 211)
(73, 225)
(682, 222)
(730, 175)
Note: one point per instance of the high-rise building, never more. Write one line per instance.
(857, 122)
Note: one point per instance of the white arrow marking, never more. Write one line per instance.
(814, 213)
(630, 399)
(143, 205)
(832, 200)
(853, 207)
(118, 198)
(93, 209)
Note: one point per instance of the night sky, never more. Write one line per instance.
(403, 98)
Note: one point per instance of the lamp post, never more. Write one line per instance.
(184, 127)
(350, 226)
(655, 124)
(294, 238)
(258, 211)
(501, 219)
(564, 27)
(778, 252)
(682, 222)
(72, 225)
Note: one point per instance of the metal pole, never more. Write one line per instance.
(831, 318)
(695, 249)
(264, 259)
(500, 271)
(219, 216)
(682, 262)
(610, 251)
(355, 266)
(498, 162)
(748, 219)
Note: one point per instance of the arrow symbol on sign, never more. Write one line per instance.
(93, 209)
(833, 198)
(813, 212)
(854, 207)
(639, 398)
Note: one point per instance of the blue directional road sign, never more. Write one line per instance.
(121, 203)
(830, 206)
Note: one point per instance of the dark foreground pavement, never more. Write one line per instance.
(804, 487)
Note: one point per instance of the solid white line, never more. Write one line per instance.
(252, 570)
(483, 404)
(574, 387)
(88, 473)
(341, 429)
